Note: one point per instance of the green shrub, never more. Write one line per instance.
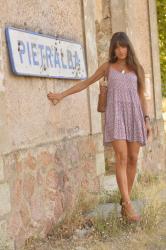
(161, 18)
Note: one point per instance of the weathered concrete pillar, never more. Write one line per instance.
(92, 62)
(4, 136)
(155, 57)
(118, 14)
(5, 202)
(93, 91)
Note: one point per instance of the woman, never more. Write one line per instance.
(127, 123)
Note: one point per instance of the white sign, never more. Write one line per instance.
(44, 56)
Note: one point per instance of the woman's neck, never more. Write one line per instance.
(121, 61)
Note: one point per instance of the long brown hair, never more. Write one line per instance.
(121, 38)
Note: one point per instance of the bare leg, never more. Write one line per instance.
(133, 151)
(120, 149)
(121, 155)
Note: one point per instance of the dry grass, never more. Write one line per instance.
(106, 231)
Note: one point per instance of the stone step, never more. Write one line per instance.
(104, 210)
(109, 183)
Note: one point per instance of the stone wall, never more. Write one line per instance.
(48, 153)
(30, 117)
(45, 183)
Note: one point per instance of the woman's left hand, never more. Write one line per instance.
(148, 129)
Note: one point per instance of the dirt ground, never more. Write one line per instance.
(125, 241)
(150, 235)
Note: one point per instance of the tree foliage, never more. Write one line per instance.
(161, 18)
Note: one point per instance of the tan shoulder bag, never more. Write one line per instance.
(102, 99)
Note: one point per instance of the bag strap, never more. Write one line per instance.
(106, 73)
(105, 77)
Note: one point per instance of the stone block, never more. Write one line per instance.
(52, 179)
(4, 199)
(99, 143)
(5, 242)
(100, 164)
(28, 186)
(109, 183)
(1, 170)
(14, 224)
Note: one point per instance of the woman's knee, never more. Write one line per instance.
(120, 149)
(132, 159)
(121, 159)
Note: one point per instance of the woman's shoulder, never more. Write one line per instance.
(102, 69)
(105, 66)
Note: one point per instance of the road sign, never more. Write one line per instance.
(34, 54)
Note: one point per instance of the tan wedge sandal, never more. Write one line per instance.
(128, 212)
(121, 206)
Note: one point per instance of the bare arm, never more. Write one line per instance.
(145, 109)
(85, 83)
(81, 84)
(141, 92)
(144, 103)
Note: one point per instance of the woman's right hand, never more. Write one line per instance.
(55, 97)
